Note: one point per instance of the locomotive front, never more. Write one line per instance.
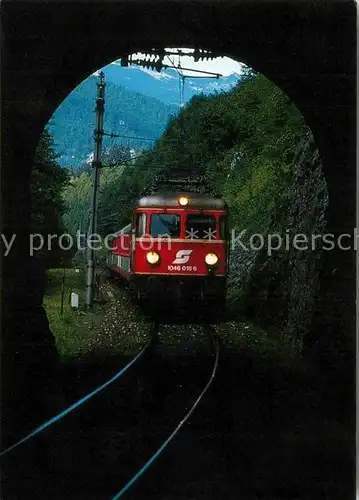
(180, 246)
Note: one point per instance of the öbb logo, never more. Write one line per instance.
(182, 256)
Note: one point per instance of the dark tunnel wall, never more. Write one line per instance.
(306, 48)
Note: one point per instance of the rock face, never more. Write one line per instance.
(308, 198)
(279, 290)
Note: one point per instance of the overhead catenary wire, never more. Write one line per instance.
(132, 137)
(179, 53)
(127, 162)
(113, 135)
(131, 162)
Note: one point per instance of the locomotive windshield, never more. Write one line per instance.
(165, 225)
(201, 227)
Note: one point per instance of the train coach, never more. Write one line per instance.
(175, 247)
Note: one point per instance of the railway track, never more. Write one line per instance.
(86, 397)
(187, 413)
(92, 432)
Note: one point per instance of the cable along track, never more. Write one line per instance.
(88, 396)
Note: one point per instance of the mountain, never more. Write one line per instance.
(127, 113)
(138, 103)
(164, 86)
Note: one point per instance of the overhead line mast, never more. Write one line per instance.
(96, 165)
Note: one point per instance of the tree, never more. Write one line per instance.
(116, 155)
(77, 197)
(48, 180)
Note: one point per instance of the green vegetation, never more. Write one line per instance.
(48, 181)
(78, 198)
(248, 337)
(73, 330)
(242, 141)
(245, 143)
(112, 327)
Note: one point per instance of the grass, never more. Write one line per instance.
(248, 337)
(73, 329)
(111, 328)
(116, 327)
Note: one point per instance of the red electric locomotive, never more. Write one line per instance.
(176, 246)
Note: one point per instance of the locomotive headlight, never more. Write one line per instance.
(211, 259)
(183, 201)
(152, 257)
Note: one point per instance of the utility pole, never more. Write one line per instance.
(96, 164)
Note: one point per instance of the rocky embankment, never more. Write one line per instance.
(279, 290)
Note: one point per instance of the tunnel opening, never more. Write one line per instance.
(250, 182)
(250, 165)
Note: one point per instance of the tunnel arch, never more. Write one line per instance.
(275, 39)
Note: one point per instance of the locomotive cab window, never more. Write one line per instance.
(202, 227)
(165, 225)
(140, 225)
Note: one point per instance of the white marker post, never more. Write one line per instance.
(74, 300)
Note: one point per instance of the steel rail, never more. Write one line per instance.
(150, 461)
(85, 398)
